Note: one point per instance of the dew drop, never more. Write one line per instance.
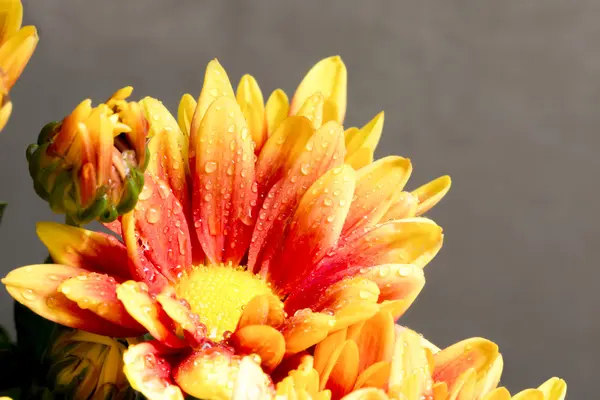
(231, 128)
(152, 215)
(304, 169)
(207, 197)
(28, 295)
(210, 167)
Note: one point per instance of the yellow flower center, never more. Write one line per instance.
(218, 294)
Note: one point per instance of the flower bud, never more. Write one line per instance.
(91, 165)
(83, 365)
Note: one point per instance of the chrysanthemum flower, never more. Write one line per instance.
(260, 230)
(375, 360)
(16, 48)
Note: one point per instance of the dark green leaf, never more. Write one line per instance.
(33, 333)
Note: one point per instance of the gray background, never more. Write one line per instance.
(502, 95)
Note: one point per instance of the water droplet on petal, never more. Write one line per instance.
(305, 169)
(28, 295)
(210, 167)
(152, 215)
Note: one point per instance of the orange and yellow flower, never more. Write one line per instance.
(16, 48)
(261, 230)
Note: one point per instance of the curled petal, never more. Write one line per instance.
(399, 285)
(169, 148)
(304, 329)
(264, 309)
(148, 312)
(410, 375)
(224, 187)
(276, 110)
(97, 293)
(264, 341)
(251, 102)
(315, 227)
(217, 374)
(179, 311)
(36, 287)
(554, 389)
(361, 143)
(323, 151)
(185, 113)
(328, 77)
(93, 251)
(378, 186)
(431, 193)
(491, 378)
(16, 52)
(160, 230)
(324, 350)
(149, 372)
(451, 362)
(405, 206)
(464, 386)
(5, 110)
(312, 109)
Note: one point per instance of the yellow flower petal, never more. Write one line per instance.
(376, 375)
(410, 376)
(405, 206)
(500, 393)
(361, 143)
(16, 52)
(378, 186)
(342, 376)
(312, 109)
(491, 378)
(11, 17)
(5, 112)
(554, 389)
(366, 394)
(185, 113)
(431, 193)
(529, 394)
(265, 309)
(276, 110)
(251, 102)
(262, 340)
(376, 340)
(304, 329)
(328, 77)
(464, 386)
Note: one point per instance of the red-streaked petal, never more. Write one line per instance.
(554, 389)
(281, 151)
(139, 266)
(262, 310)
(148, 312)
(276, 110)
(16, 52)
(378, 186)
(97, 293)
(431, 193)
(266, 342)
(410, 375)
(93, 251)
(314, 229)
(329, 77)
(305, 329)
(361, 143)
(36, 287)
(312, 109)
(376, 340)
(349, 300)
(451, 362)
(168, 147)
(160, 231)
(251, 102)
(149, 372)
(225, 191)
(179, 311)
(217, 374)
(399, 285)
(324, 151)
